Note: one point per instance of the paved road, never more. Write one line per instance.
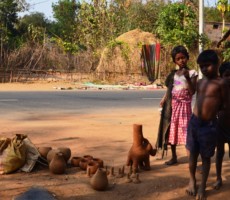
(77, 101)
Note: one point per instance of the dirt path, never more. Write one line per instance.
(107, 136)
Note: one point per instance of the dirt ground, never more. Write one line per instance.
(108, 136)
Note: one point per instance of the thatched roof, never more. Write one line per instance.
(116, 62)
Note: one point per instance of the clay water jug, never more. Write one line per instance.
(51, 154)
(99, 180)
(58, 164)
(66, 152)
(44, 151)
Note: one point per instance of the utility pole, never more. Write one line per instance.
(201, 28)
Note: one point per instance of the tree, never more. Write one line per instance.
(33, 21)
(223, 7)
(8, 31)
(177, 24)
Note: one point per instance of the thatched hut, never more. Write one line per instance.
(125, 58)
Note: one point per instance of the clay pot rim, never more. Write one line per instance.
(47, 147)
(76, 157)
(93, 163)
(89, 157)
(84, 160)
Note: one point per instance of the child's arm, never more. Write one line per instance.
(192, 81)
(163, 100)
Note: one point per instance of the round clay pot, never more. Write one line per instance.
(99, 161)
(83, 163)
(92, 167)
(88, 157)
(66, 152)
(51, 154)
(58, 164)
(75, 161)
(44, 151)
(99, 180)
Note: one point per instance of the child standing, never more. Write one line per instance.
(176, 103)
(202, 132)
(223, 126)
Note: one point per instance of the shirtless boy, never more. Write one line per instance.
(202, 133)
(223, 126)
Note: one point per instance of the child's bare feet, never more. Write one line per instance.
(173, 161)
(201, 194)
(217, 185)
(191, 190)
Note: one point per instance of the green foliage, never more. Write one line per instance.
(68, 46)
(205, 41)
(65, 13)
(177, 25)
(223, 6)
(65, 31)
(226, 52)
(144, 16)
(33, 27)
(211, 14)
(94, 24)
(123, 46)
(8, 20)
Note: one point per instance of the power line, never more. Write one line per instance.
(39, 3)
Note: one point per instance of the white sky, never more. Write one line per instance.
(45, 6)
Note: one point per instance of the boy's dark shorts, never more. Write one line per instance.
(202, 137)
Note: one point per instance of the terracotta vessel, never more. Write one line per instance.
(58, 164)
(99, 180)
(88, 157)
(99, 161)
(75, 161)
(51, 154)
(66, 152)
(83, 163)
(138, 156)
(92, 167)
(44, 151)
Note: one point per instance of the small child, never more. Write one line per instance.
(202, 132)
(223, 126)
(176, 104)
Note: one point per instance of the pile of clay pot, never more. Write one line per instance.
(58, 158)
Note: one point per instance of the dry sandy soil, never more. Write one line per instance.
(108, 136)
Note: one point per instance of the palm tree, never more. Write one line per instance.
(223, 6)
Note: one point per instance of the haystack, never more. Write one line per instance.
(116, 63)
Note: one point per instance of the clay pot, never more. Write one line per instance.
(88, 157)
(75, 161)
(51, 154)
(44, 151)
(58, 164)
(92, 167)
(83, 163)
(99, 180)
(99, 161)
(66, 152)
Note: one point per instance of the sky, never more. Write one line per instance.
(45, 6)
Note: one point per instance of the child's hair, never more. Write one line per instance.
(224, 67)
(179, 49)
(208, 56)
